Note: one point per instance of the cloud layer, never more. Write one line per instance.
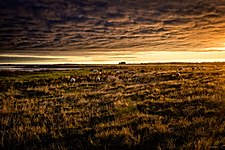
(58, 26)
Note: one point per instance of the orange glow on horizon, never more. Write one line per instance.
(136, 57)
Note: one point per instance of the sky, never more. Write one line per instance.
(111, 31)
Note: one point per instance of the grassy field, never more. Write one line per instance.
(132, 107)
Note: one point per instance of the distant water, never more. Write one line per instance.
(31, 69)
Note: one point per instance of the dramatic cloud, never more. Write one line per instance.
(5, 60)
(84, 27)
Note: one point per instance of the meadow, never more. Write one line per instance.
(146, 106)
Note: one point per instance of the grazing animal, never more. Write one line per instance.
(131, 72)
(181, 68)
(72, 80)
(98, 79)
(111, 78)
(177, 74)
(95, 71)
(118, 72)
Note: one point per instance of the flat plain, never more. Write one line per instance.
(146, 106)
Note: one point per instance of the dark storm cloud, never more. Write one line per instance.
(36, 25)
(25, 59)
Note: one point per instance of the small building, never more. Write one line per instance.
(122, 63)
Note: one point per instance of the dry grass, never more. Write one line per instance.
(144, 107)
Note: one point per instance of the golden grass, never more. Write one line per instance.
(150, 108)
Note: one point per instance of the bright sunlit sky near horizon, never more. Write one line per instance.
(111, 31)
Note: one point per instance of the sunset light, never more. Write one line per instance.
(110, 31)
(112, 74)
